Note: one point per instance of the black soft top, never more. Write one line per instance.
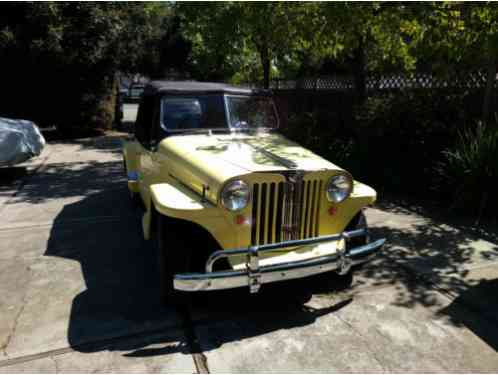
(194, 87)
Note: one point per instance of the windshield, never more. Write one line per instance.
(208, 111)
(199, 112)
(251, 112)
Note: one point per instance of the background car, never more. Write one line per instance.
(135, 92)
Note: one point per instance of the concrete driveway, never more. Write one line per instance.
(78, 288)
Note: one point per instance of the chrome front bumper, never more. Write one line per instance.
(254, 275)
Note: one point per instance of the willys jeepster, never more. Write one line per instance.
(229, 202)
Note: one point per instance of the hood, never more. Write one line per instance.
(244, 153)
(214, 159)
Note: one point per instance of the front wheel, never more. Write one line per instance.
(173, 257)
(358, 222)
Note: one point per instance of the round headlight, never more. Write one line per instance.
(339, 188)
(235, 195)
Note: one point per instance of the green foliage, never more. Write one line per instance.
(469, 171)
(385, 31)
(232, 40)
(392, 141)
(70, 52)
(214, 37)
(236, 39)
(456, 33)
(308, 130)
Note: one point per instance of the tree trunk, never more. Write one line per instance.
(488, 105)
(360, 72)
(265, 63)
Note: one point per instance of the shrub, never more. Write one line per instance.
(469, 172)
(392, 141)
(312, 131)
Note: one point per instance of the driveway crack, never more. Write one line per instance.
(14, 327)
(199, 358)
(358, 333)
(55, 364)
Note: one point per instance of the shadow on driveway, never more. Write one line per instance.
(474, 304)
(121, 277)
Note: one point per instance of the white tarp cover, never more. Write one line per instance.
(19, 141)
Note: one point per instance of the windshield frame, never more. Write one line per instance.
(227, 110)
(228, 127)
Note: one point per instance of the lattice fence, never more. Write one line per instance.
(466, 80)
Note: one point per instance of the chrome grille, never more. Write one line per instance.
(286, 210)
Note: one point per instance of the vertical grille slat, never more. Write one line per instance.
(254, 218)
(262, 215)
(271, 213)
(318, 202)
(312, 210)
(278, 223)
(306, 221)
(288, 210)
(303, 209)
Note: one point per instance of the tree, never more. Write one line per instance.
(214, 35)
(70, 52)
(226, 37)
(460, 36)
(375, 36)
(480, 23)
(275, 30)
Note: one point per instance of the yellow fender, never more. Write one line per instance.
(179, 202)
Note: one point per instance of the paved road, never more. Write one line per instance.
(78, 289)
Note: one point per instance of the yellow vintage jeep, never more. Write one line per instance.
(229, 202)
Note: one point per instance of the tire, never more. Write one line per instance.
(173, 257)
(358, 222)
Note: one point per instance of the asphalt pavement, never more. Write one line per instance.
(78, 287)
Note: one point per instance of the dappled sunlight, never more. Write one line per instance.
(73, 179)
(432, 253)
(110, 143)
(423, 257)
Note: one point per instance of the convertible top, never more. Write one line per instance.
(188, 87)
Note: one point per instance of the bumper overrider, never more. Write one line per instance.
(254, 275)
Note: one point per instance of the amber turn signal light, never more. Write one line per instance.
(332, 210)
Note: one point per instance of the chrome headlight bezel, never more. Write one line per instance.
(338, 194)
(231, 187)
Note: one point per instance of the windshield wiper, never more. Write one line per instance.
(207, 130)
(223, 130)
